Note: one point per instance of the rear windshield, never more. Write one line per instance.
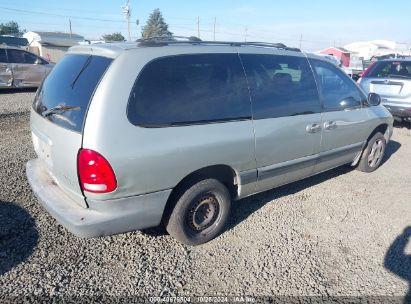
(66, 92)
(391, 69)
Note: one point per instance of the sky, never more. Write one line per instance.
(311, 25)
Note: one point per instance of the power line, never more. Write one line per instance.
(58, 15)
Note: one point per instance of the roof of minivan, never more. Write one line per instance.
(114, 49)
(6, 46)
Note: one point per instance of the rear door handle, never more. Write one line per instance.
(314, 128)
(330, 125)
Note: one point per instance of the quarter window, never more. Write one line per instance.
(280, 86)
(337, 90)
(189, 89)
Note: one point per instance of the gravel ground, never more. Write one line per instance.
(332, 234)
(12, 102)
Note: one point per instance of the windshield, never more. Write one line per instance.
(391, 69)
(67, 91)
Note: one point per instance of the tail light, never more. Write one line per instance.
(367, 71)
(95, 172)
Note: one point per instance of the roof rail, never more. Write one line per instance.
(169, 40)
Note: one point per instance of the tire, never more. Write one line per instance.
(373, 154)
(200, 212)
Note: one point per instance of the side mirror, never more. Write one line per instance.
(38, 61)
(373, 99)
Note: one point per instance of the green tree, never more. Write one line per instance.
(11, 28)
(113, 37)
(156, 26)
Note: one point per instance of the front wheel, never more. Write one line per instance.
(373, 154)
(200, 213)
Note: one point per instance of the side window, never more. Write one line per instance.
(29, 58)
(17, 56)
(187, 89)
(3, 56)
(337, 90)
(280, 86)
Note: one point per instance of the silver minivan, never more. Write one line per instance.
(22, 69)
(134, 135)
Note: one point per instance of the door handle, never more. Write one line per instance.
(330, 125)
(314, 128)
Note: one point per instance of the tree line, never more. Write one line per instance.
(155, 27)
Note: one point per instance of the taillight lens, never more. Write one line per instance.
(95, 172)
(368, 69)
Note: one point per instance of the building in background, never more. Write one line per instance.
(376, 48)
(340, 53)
(51, 45)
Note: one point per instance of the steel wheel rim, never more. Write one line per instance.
(204, 213)
(376, 153)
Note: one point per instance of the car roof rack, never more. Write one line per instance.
(173, 40)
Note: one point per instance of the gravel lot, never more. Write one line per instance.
(327, 235)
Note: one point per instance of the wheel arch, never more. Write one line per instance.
(382, 128)
(223, 173)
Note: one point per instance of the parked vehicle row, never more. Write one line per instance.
(19, 68)
(129, 136)
(391, 78)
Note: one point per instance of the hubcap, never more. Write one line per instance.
(203, 213)
(376, 153)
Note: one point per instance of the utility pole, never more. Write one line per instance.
(71, 32)
(301, 40)
(245, 33)
(137, 23)
(127, 14)
(198, 27)
(215, 22)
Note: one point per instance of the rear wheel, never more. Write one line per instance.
(200, 212)
(373, 154)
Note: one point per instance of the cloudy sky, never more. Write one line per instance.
(313, 24)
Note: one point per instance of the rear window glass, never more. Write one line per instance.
(189, 89)
(391, 69)
(66, 92)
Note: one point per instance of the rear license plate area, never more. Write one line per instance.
(383, 89)
(42, 149)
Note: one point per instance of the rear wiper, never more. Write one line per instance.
(88, 60)
(59, 109)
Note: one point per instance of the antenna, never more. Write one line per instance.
(127, 14)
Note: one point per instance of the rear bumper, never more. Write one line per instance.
(398, 109)
(103, 217)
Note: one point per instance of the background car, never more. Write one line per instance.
(391, 79)
(19, 68)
